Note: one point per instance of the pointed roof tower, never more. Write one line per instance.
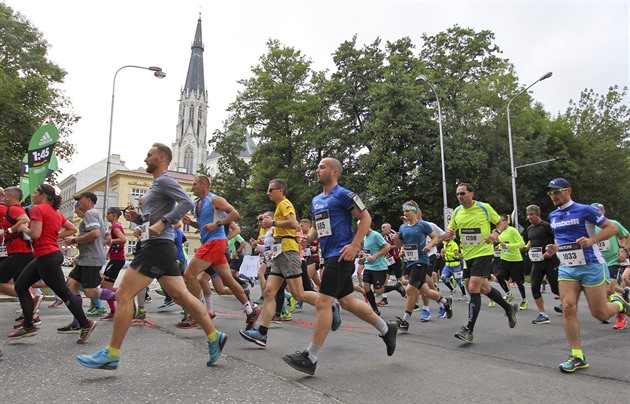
(194, 78)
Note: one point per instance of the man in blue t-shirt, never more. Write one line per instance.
(582, 267)
(333, 211)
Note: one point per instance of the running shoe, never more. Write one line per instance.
(254, 336)
(491, 303)
(292, 304)
(298, 306)
(259, 302)
(511, 315)
(286, 317)
(621, 322)
(109, 316)
(212, 314)
(508, 298)
(465, 335)
(449, 307)
(86, 331)
(401, 289)
(187, 323)
(382, 302)
(276, 319)
(541, 319)
(23, 332)
(572, 364)
(37, 300)
(377, 312)
(250, 319)
(140, 315)
(403, 325)
(166, 304)
(442, 312)
(390, 337)
(72, 328)
(148, 298)
(524, 305)
(96, 311)
(426, 315)
(558, 308)
(336, 321)
(300, 361)
(624, 304)
(160, 292)
(416, 307)
(58, 302)
(99, 360)
(215, 348)
(36, 322)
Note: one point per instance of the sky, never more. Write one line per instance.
(584, 43)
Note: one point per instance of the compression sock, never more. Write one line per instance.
(495, 296)
(473, 310)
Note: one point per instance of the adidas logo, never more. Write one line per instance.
(45, 139)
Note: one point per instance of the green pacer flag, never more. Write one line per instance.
(39, 161)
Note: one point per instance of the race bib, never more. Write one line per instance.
(458, 274)
(306, 252)
(3, 251)
(536, 254)
(144, 227)
(497, 253)
(276, 249)
(322, 222)
(411, 252)
(390, 260)
(604, 245)
(571, 255)
(472, 237)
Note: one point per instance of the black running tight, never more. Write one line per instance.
(48, 269)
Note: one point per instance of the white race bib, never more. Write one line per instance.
(144, 227)
(497, 253)
(571, 255)
(411, 252)
(472, 237)
(536, 254)
(322, 221)
(276, 249)
(306, 252)
(458, 274)
(390, 260)
(3, 251)
(604, 245)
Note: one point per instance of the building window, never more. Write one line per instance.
(191, 114)
(188, 161)
(138, 192)
(186, 228)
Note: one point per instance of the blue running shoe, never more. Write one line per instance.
(336, 317)
(442, 312)
(572, 364)
(426, 315)
(215, 348)
(254, 336)
(99, 360)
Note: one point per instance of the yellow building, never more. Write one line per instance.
(129, 185)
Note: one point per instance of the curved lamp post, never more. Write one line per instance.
(157, 72)
(423, 79)
(543, 77)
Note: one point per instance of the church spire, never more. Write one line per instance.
(194, 78)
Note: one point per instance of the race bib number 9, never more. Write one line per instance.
(322, 222)
(536, 254)
(571, 255)
(472, 237)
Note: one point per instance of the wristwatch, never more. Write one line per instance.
(218, 223)
(164, 220)
(10, 230)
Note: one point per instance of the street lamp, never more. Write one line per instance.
(157, 72)
(545, 76)
(423, 79)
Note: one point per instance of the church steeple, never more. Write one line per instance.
(194, 78)
(190, 148)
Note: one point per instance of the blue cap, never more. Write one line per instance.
(558, 183)
(598, 206)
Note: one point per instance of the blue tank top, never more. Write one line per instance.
(204, 213)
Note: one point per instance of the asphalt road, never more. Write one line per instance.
(165, 364)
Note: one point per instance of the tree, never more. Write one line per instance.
(28, 97)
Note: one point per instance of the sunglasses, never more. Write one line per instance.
(556, 191)
(462, 193)
(271, 189)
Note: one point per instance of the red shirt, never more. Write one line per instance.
(15, 243)
(117, 251)
(52, 221)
